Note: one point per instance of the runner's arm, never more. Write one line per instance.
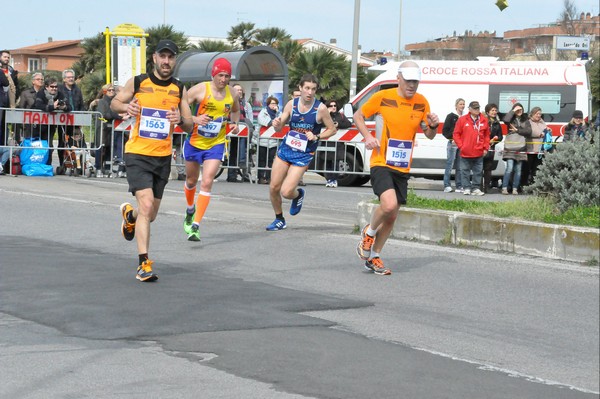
(325, 116)
(120, 103)
(359, 120)
(282, 119)
(187, 123)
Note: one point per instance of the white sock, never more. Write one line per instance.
(371, 232)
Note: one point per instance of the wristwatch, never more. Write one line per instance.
(318, 136)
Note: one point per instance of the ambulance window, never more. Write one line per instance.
(557, 102)
(549, 102)
(509, 98)
(364, 99)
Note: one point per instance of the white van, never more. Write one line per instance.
(558, 87)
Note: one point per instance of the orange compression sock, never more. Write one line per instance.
(190, 194)
(201, 205)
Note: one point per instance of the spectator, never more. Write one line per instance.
(27, 98)
(472, 137)
(71, 91)
(111, 146)
(267, 147)
(452, 152)
(4, 156)
(8, 90)
(50, 100)
(491, 112)
(27, 101)
(75, 100)
(340, 122)
(238, 146)
(597, 123)
(576, 128)
(517, 122)
(534, 146)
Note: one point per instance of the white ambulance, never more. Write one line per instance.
(558, 87)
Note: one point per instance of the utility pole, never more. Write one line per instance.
(354, 63)
(398, 57)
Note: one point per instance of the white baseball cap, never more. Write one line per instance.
(410, 73)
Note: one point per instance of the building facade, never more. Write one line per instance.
(53, 55)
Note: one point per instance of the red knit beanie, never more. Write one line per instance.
(221, 65)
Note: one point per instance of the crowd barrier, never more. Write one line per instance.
(342, 154)
(21, 126)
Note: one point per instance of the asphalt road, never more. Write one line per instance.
(250, 314)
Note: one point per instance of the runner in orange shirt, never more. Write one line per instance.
(158, 102)
(402, 111)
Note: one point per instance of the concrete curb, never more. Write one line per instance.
(577, 244)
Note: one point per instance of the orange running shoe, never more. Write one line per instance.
(363, 250)
(145, 273)
(127, 229)
(376, 266)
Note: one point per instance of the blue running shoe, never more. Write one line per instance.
(297, 203)
(277, 225)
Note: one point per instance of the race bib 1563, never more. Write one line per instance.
(154, 124)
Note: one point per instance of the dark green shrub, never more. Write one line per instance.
(570, 175)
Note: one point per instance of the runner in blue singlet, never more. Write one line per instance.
(307, 117)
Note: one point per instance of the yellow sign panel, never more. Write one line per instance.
(125, 53)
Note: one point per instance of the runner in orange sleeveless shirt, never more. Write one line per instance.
(402, 111)
(158, 102)
(218, 107)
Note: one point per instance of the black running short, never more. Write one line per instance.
(144, 171)
(383, 179)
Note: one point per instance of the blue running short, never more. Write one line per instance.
(193, 154)
(294, 157)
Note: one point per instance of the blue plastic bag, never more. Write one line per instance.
(39, 154)
(37, 169)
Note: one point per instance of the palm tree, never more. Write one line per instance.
(242, 35)
(212, 46)
(158, 33)
(93, 57)
(91, 84)
(332, 70)
(289, 49)
(271, 36)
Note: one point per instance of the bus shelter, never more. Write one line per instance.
(261, 71)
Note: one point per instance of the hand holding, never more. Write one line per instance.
(174, 116)
(277, 123)
(133, 108)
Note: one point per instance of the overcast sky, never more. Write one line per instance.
(28, 22)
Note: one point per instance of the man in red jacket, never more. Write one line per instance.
(472, 137)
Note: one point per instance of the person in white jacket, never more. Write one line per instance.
(267, 147)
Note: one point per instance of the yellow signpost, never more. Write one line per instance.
(125, 53)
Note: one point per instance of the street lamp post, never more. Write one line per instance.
(354, 62)
(400, 33)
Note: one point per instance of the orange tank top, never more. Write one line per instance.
(152, 132)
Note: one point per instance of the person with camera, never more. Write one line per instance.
(50, 100)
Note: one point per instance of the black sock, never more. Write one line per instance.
(279, 216)
(142, 258)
